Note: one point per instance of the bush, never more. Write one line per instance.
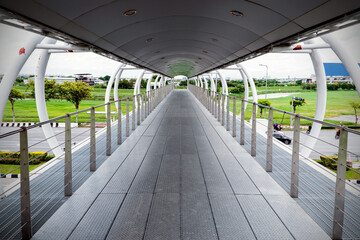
(331, 162)
(238, 89)
(100, 86)
(346, 86)
(332, 87)
(307, 86)
(15, 159)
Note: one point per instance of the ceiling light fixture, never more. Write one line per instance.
(149, 40)
(236, 13)
(130, 12)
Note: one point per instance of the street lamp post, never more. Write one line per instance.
(267, 77)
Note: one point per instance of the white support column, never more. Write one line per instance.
(162, 81)
(43, 60)
(212, 83)
(110, 83)
(201, 82)
(251, 82)
(156, 81)
(148, 85)
(246, 86)
(321, 91)
(116, 88)
(205, 82)
(346, 56)
(224, 86)
(15, 63)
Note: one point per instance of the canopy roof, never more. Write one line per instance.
(180, 37)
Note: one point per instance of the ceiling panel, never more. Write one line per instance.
(180, 31)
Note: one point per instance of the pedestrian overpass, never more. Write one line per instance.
(180, 164)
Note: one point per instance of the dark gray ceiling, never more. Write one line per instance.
(187, 37)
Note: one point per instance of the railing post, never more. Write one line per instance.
(143, 106)
(234, 117)
(127, 118)
(340, 186)
(133, 113)
(269, 157)
(108, 129)
(92, 141)
(242, 123)
(219, 106)
(227, 112)
(222, 109)
(68, 160)
(26, 228)
(119, 135)
(294, 188)
(138, 109)
(253, 131)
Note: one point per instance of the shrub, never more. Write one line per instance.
(346, 86)
(238, 89)
(332, 87)
(307, 86)
(15, 159)
(331, 162)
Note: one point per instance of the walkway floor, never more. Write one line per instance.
(47, 186)
(180, 175)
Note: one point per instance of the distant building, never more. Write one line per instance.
(335, 72)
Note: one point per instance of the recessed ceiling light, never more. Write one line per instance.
(236, 13)
(130, 12)
(214, 39)
(205, 51)
(149, 40)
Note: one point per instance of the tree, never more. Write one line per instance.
(355, 105)
(51, 88)
(13, 96)
(264, 102)
(75, 92)
(297, 103)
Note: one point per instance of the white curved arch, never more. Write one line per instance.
(162, 81)
(116, 88)
(156, 81)
(346, 56)
(321, 91)
(251, 81)
(138, 83)
(212, 83)
(205, 82)
(40, 69)
(246, 86)
(111, 82)
(148, 85)
(224, 85)
(200, 81)
(13, 69)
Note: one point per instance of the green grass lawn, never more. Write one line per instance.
(25, 110)
(5, 168)
(337, 104)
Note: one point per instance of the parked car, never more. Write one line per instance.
(281, 137)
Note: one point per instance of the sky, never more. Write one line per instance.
(280, 65)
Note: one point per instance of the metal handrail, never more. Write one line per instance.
(215, 103)
(150, 100)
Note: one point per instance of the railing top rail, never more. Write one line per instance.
(298, 115)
